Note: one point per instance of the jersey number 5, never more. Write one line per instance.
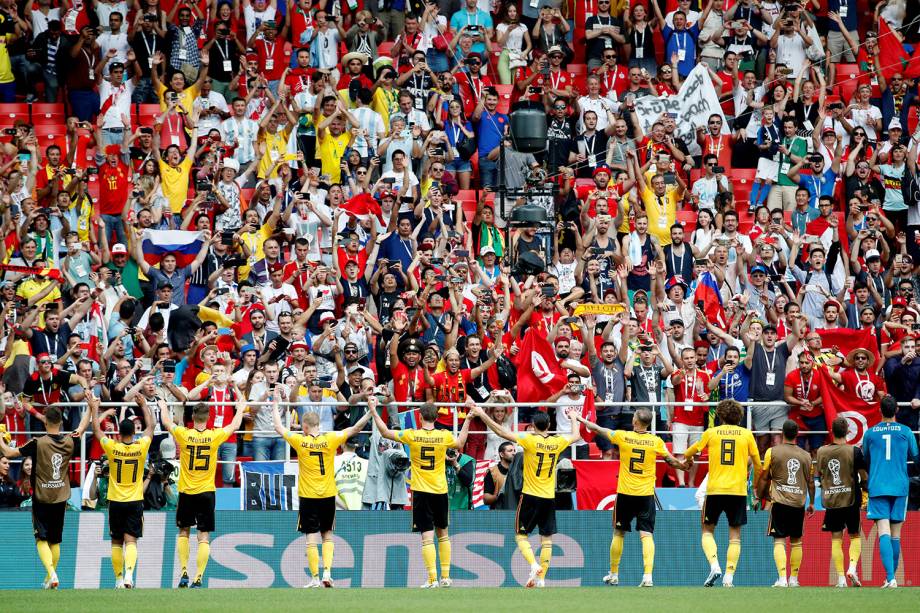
(198, 457)
(427, 456)
(728, 452)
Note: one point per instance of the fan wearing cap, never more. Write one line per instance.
(114, 178)
(860, 376)
(406, 368)
(43, 389)
(163, 303)
(821, 181)
(670, 297)
(835, 316)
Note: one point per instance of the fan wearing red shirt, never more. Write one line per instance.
(218, 390)
(802, 393)
(450, 384)
(302, 24)
(470, 84)
(47, 174)
(408, 373)
(269, 49)
(560, 83)
(114, 183)
(529, 81)
(687, 422)
(860, 378)
(351, 251)
(614, 77)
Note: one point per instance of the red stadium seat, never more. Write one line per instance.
(15, 110)
(47, 109)
(742, 182)
(384, 49)
(504, 98)
(846, 81)
(49, 119)
(578, 69)
(145, 113)
(687, 219)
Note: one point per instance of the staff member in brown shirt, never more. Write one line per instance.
(50, 455)
(787, 472)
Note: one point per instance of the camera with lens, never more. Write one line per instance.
(104, 468)
(161, 470)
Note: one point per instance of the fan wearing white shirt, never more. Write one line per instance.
(240, 131)
(212, 107)
(115, 94)
(278, 297)
(115, 39)
(255, 14)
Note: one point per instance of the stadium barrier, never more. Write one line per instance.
(376, 549)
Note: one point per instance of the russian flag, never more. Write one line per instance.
(707, 293)
(183, 244)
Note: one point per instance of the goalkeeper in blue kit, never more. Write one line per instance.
(887, 447)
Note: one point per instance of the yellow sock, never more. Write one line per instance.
(855, 550)
(444, 555)
(55, 554)
(182, 546)
(648, 554)
(328, 552)
(526, 550)
(546, 554)
(118, 560)
(837, 554)
(795, 559)
(710, 549)
(313, 559)
(44, 554)
(731, 558)
(616, 552)
(779, 556)
(429, 555)
(201, 560)
(130, 557)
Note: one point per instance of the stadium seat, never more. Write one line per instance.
(384, 48)
(144, 113)
(47, 109)
(48, 119)
(504, 98)
(578, 69)
(846, 81)
(687, 219)
(742, 182)
(15, 110)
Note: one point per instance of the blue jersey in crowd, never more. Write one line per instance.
(887, 447)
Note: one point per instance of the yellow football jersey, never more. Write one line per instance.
(729, 448)
(126, 468)
(541, 453)
(316, 459)
(638, 452)
(427, 449)
(198, 458)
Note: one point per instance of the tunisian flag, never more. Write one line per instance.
(363, 206)
(893, 57)
(539, 373)
(597, 484)
(589, 412)
(860, 415)
(847, 339)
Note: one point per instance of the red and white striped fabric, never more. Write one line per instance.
(479, 482)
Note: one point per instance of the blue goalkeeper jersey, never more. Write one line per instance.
(887, 447)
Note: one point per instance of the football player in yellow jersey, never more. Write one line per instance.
(198, 448)
(427, 448)
(127, 458)
(730, 448)
(635, 489)
(316, 486)
(537, 506)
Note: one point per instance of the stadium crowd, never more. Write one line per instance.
(337, 167)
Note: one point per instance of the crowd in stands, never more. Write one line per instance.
(337, 166)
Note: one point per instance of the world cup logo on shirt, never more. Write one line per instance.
(792, 469)
(834, 467)
(56, 461)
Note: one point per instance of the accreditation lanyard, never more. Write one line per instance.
(690, 389)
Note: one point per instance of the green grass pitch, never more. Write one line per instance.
(563, 600)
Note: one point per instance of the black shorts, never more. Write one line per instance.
(534, 511)
(786, 521)
(640, 508)
(429, 511)
(126, 518)
(835, 520)
(734, 507)
(48, 521)
(196, 510)
(316, 515)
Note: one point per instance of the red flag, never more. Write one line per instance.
(860, 415)
(892, 56)
(361, 206)
(847, 339)
(589, 412)
(707, 292)
(539, 373)
(597, 484)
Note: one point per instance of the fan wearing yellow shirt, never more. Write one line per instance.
(427, 449)
(316, 486)
(659, 200)
(730, 447)
(127, 458)
(198, 448)
(639, 450)
(175, 170)
(537, 506)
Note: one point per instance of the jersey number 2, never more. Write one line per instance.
(636, 461)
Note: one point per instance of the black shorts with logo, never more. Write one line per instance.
(316, 515)
(835, 520)
(429, 511)
(640, 508)
(734, 507)
(196, 510)
(533, 512)
(48, 521)
(126, 518)
(786, 521)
